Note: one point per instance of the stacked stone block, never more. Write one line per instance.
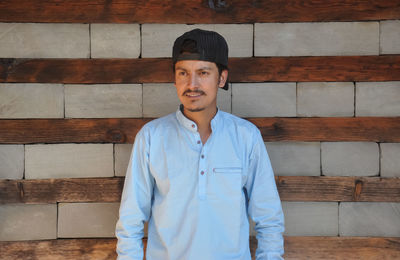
(268, 99)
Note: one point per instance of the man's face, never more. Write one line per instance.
(197, 84)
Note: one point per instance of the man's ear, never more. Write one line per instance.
(223, 78)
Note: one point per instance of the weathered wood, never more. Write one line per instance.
(86, 70)
(123, 130)
(59, 249)
(323, 248)
(70, 130)
(61, 190)
(191, 11)
(291, 188)
(335, 68)
(372, 129)
(298, 248)
(322, 188)
(147, 70)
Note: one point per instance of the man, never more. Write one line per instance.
(197, 174)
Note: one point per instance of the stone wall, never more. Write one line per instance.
(267, 99)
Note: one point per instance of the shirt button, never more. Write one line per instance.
(202, 156)
(202, 172)
(198, 142)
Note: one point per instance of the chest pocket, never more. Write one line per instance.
(228, 170)
(226, 182)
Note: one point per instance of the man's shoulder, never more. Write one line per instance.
(159, 123)
(235, 122)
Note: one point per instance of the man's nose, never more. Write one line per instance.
(193, 81)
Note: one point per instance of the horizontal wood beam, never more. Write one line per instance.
(184, 11)
(157, 70)
(123, 130)
(322, 248)
(310, 248)
(291, 188)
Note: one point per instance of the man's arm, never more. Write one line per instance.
(264, 206)
(135, 203)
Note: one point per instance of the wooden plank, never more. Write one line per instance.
(86, 70)
(333, 129)
(59, 249)
(323, 248)
(291, 188)
(61, 190)
(191, 11)
(322, 188)
(148, 70)
(123, 130)
(297, 248)
(70, 130)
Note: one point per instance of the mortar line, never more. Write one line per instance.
(354, 98)
(90, 41)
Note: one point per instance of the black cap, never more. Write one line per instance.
(210, 46)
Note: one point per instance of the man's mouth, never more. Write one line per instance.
(193, 94)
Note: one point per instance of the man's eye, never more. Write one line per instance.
(204, 73)
(181, 73)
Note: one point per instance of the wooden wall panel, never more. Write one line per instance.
(153, 70)
(291, 188)
(196, 11)
(123, 130)
(296, 248)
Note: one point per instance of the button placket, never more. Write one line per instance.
(202, 175)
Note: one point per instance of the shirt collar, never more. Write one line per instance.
(192, 126)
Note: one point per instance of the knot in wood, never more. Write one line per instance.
(217, 5)
(116, 136)
(358, 185)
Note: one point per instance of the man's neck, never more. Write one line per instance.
(202, 120)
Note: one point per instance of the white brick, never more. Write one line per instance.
(325, 99)
(103, 100)
(122, 156)
(295, 158)
(11, 161)
(316, 39)
(390, 159)
(31, 101)
(87, 219)
(158, 39)
(390, 37)
(369, 219)
(68, 161)
(161, 99)
(115, 40)
(224, 99)
(350, 158)
(44, 40)
(311, 218)
(28, 222)
(378, 98)
(264, 99)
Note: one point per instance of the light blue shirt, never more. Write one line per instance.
(198, 197)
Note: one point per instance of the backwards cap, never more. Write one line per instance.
(210, 46)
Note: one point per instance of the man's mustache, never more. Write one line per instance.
(193, 91)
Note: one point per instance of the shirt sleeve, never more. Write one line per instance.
(264, 205)
(135, 202)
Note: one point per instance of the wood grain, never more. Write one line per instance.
(194, 11)
(157, 70)
(296, 248)
(123, 130)
(291, 188)
(322, 248)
